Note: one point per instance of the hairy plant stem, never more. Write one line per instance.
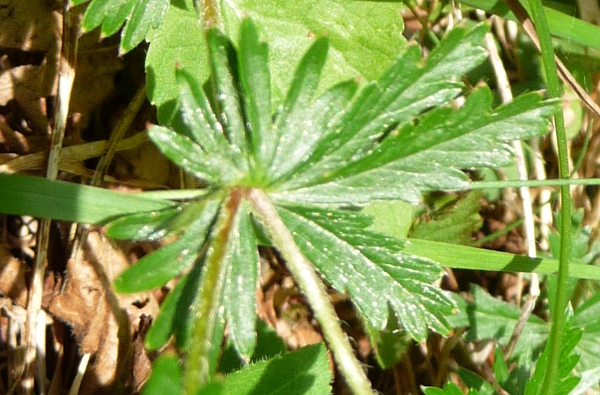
(558, 318)
(208, 301)
(313, 288)
(209, 12)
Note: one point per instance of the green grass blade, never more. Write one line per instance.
(462, 257)
(561, 25)
(27, 195)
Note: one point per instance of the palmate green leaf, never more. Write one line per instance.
(430, 154)
(371, 268)
(137, 15)
(408, 88)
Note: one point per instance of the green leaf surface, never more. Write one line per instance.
(371, 268)
(586, 318)
(179, 43)
(166, 377)
(63, 201)
(145, 14)
(305, 371)
(462, 257)
(455, 223)
(256, 83)
(138, 17)
(408, 88)
(200, 123)
(157, 268)
(239, 295)
(175, 317)
(294, 125)
(402, 166)
(566, 380)
(365, 36)
(489, 318)
(268, 345)
(191, 157)
(391, 217)
(476, 382)
(501, 372)
(224, 67)
(151, 226)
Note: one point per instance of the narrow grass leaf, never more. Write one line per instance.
(470, 258)
(63, 201)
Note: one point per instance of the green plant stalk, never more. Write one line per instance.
(559, 318)
(208, 300)
(313, 288)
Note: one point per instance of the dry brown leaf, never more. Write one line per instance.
(102, 321)
(12, 277)
(29, 30)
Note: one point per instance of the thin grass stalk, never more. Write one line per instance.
(66, 77)
(554, 89)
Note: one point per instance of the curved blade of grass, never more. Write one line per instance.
(462, 257)
(561, 25)
(38, 197)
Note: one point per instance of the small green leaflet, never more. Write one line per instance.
(137, 15)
